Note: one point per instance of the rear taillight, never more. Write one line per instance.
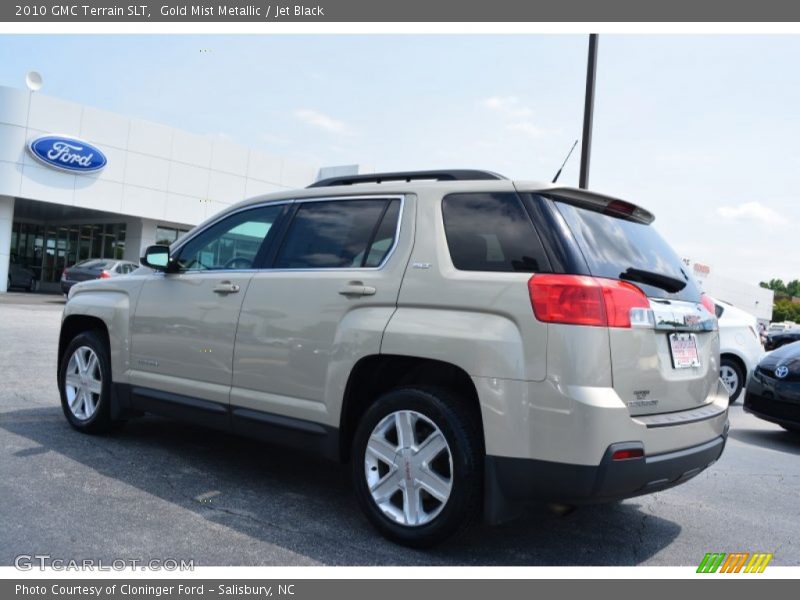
(628, 454)
(105, 275)
(708, 303)
(584, 300)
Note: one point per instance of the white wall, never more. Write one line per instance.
(751, 298)
(154, 171)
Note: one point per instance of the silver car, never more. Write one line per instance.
(95, 268)
(469, 344)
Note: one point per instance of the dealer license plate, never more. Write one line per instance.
(683, 347)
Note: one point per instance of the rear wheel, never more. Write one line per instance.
(732, 376)
(84, 381)
(418, 466)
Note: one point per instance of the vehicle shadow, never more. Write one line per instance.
(775, 439)
(306, 506)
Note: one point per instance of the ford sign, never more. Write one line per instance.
(67, 154)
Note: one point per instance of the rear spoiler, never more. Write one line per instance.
(594, 201)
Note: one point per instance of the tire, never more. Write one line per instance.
(437, 419)
(93, 414)
(731, 371)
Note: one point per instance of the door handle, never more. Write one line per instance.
(226, 287)
(357, 288)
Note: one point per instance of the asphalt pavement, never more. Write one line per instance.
(158, 489)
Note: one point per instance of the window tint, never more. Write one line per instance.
(232, 243)
(612, 245)
(491, 232)
(383, 239)
(335, 234)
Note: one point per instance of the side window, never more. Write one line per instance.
(492, 232)
(232, 243)
(339, 234)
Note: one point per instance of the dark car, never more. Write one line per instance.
(95, 268)
(20, 276)
(781, 338)
(773, 393)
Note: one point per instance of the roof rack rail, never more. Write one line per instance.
(446, 175)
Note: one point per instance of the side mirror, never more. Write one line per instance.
(157, 258)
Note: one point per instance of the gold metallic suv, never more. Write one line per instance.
(469, 343)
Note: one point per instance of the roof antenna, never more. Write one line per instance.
(565, 162)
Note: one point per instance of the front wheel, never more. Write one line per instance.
(418, 465)
(732, 376)
(84, 381)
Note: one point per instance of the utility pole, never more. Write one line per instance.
(588, 111)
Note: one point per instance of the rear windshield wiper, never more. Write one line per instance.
(665, 282)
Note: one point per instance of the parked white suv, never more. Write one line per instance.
(739, 347)
(467, 342)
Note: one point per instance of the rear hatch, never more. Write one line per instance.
(666, 359)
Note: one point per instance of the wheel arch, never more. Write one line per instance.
(735, 358)
(76, 324)
(107, 311)
(377, 374)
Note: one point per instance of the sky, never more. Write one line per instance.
(700, 130)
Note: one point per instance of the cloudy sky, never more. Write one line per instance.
(701, 130)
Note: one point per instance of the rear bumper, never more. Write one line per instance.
(511, 483)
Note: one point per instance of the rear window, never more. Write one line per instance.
(612, 245)
(94, 263)
(491, 232)
(340, 234)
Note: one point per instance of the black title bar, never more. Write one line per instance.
(333, 11)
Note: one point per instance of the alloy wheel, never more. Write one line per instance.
(409, 468)
(730, 378)
(83, 383)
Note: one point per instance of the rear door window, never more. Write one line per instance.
(612, 245)
(340, 234)
(492, 232)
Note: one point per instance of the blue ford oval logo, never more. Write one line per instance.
(781, 371)
(67, 154)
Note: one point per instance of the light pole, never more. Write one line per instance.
(588, 111)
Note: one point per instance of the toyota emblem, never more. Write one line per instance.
(781, 371)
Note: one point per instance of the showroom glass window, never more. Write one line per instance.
(166, 236)
(340, 234)
(47, 249)
(230, 244)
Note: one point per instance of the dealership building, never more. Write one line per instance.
(749, 297)
(78, 182)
